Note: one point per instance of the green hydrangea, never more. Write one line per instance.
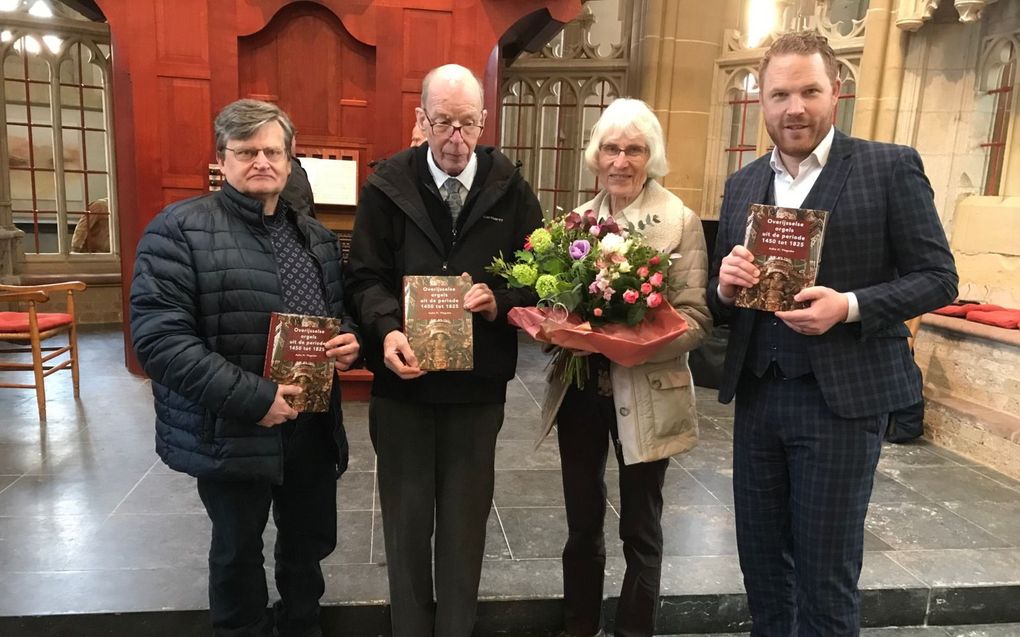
(541, 240)
(524, 273)
(546, 286)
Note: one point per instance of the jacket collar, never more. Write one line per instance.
(396, 178)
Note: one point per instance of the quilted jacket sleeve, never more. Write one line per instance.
(164, 330)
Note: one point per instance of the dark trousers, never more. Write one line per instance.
(304, 510)
(436, 471)
(583, 428)
(802, 479)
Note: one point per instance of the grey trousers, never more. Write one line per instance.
(435, 470)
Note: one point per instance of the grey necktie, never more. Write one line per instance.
(451, 195)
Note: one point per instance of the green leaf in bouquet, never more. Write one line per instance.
(524, 256)
(635, 313)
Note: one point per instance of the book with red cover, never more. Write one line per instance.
(438, 328)
(787, 247)
(296, 355)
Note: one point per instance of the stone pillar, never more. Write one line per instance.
(881, 74)
(676, 45)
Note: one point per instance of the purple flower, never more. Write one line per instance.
(579, 249)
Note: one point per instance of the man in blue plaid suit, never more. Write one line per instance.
(814, 386)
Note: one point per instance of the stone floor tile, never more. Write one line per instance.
(709, 454)
(95, 591)
(366, 583)
(495, 539)
(962, 567)
(45, 543)
(679, 488)
(66, 494)
(954, 484)
(541, 577)
(361, 456)
(719, 482)
(906, 526)
(888, 490)
(881, 571)
(528, 488)
(353, 538)
(984, 630)
(701, 575)
(161, 494)
(521, 454)
(147, 542)
(356, 491)
(1000, 519)
(912, 454)
(698, 530)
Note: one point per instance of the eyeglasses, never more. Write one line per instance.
(272, 153)
(446, 129)
(632, 152)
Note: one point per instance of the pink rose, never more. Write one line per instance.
(656, 279)
(597, 311)
(631, 296)
(654, 260)
(654, 299)
(642, 271)
(595, 231)
(646, 288)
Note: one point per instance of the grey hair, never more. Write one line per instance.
(630, 116)
(242, 119)
(451, 73)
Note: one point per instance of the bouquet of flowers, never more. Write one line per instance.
(601, 289)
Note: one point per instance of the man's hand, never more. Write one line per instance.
(399, 357)
(343, 349)
(480, 299)
(280, 411)
(737, 271)
(828, 307)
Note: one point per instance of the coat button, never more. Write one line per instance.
(656, 384)
(624, 411)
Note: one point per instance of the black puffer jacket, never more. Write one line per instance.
(205, 282)
(396, 232)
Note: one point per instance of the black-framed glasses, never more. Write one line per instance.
(248, 154)
(446, 129)
(632, 152)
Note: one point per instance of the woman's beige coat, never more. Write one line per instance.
(654, 401)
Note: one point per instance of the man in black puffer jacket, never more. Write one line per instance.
(443, 208)
(208, 273)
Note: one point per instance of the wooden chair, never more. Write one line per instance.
(34, 327)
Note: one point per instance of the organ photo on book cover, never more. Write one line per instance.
(437, 326)
(296, 355)
(787, 246)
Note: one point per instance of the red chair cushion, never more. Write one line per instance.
(12, 322)
(961, 310)
(1008, 319)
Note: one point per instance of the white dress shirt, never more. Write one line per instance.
(466, 176)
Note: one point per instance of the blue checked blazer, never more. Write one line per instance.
(883, 242)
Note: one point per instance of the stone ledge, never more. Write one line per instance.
(971, 328)
(542, 617)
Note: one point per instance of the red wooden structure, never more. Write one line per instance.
(347, 71)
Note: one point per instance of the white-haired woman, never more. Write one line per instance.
(648, 410)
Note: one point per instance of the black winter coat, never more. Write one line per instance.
(205, 283)
(395, 233)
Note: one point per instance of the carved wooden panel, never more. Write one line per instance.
(307, 62)
(185, 131)
(182, 37)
